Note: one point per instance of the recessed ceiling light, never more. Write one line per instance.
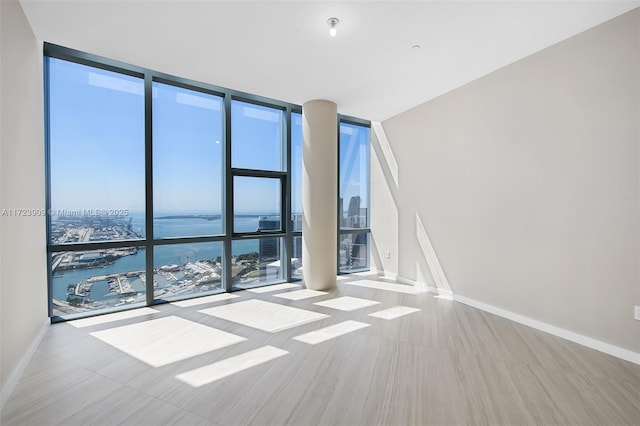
(416, 46)
(332, 22)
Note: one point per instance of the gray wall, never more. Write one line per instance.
(23, 285)
(526, 181)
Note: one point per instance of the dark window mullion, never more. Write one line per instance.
(340, 205)
(257, 100)
(90, 60)
(188, 240)
(188, 85)
(354, 230)
(287, 226)
(148, 126)
(228, 199)
(253, 235)
(47, 176)
(258, 173)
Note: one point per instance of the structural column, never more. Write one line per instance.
(319, 194)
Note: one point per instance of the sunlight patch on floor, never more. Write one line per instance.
(395, 312)
(227, 367)
(331, 332)
(166, 340)
(347, 303)
(301, 294)
(265, 316)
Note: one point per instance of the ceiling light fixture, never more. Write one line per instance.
(332, 22)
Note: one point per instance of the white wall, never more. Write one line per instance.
(384, 210)
(23, 286)
(526, 181)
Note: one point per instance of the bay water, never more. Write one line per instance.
(165, 254)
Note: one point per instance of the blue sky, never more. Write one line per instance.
(188, 150)
(97, 146)
(97, 139)
(354, 163)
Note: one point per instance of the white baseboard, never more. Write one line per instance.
(589, 342)
(404, 280)
(18, 371)
(580, 339)
(384, 273)
(430, 288)
(444, 294)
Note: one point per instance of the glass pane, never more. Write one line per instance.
(354, 252)
(256, 204)
(296, 258)
(256, 137)
(296, 171)
(97, 167)
(354, 176)
(186, 269)
(187, 162)
(86, 281)
(256, 262)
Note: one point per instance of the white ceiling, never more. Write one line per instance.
(283, 49)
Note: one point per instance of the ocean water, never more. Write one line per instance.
(163, 255)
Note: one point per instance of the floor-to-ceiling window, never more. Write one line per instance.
(96, 164)
(188, 190)
(259, 181)
(161, 188)
(296, 195)
(353, 193)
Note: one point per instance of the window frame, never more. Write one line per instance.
(366, 230)
(149, 242)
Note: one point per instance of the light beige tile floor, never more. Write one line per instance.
(410, 358)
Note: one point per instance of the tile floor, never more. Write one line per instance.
(371, 352)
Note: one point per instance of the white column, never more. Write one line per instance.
(319, 194)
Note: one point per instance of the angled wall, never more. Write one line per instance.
(23, 285)
(526, 182)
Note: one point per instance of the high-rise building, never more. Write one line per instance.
(269, 248)
(353, 214)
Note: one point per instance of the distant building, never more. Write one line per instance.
(268, 223)
(353, 214)
(269, 248)
(296, 221)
